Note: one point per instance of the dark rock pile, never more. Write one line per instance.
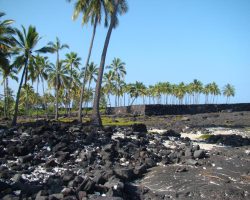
(229, 140)
(62, 161)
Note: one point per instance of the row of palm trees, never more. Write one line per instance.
(167, 93)
(23, 43)
(72, 85)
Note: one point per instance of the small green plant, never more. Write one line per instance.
(205, 136)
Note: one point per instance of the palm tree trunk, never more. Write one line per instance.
(45, 103)
(96, 118)
(69, 99)
(5, 98)
(57, 83)
(132, 101)
(18, 95)
(26, 100)
(37, 100)
(84, 77)
(124, 99)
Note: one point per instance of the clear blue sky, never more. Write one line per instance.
(160, 40)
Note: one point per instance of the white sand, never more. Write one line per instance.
(196, 137)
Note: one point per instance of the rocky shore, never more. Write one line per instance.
(50, 160)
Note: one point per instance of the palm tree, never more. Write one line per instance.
(214, 90)
(197, 88)
(119, 6)
(206, 91)
(109, 85)
(91, 73)
(55, 48)
(118, 67)
(228, 91)
(28, 97)
(136, 90)
(92, 11)
(180, 92)
(7, 41)
(25, 43)
(39, 73)
(150, 93)
(72, 63)
(7, 73)
(58, 79)
(166, 90)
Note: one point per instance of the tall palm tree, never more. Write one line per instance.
(25, 43)
(72, 63)
(180, 92)
(109, 85)
(206, 91)
(197, 88)
(39, 73)
(55, 48)
(58, 79)
(92, 11)
(6, 40)
(28, 97)
(91, 73)
(7, 73)
(214, 90)
(136, 90)
(119, 7)
(228, 91)
(118, 67)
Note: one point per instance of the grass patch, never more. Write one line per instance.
(205, 136)
(65, 120)
(109, 121)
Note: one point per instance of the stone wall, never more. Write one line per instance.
(159, 109)
(135, 110)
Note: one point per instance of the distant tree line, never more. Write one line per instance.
(70, 84)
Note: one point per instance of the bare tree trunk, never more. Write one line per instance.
(84, 77)
(57, 83)
(96, 118)
(18, 95)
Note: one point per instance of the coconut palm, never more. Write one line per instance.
(6, 40)
(55, 48)
(28, 97)
(119, 7)
(58, 79)
(136, 90)
(197, 88)
(118, 67)
(91, 73)
(40, 65)
(228, 91)
(214, 90)
(7, 73)
(26, 42)
(92, 11)
(108, 84)
(166, 90)
(180, 92)
(72, 63)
